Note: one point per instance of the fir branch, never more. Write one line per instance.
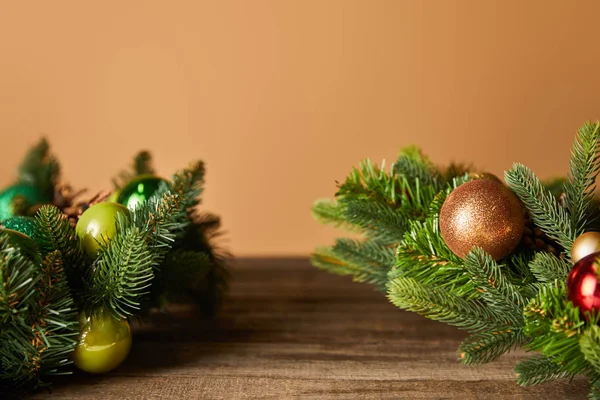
(424, 256)
(491, 280)
(123, 273)
(590, 346)
(141, 165)
(378, 221)
(329, 212)
(367, 261)
(38, 321)
(40, 169)
(485, 347)
(369, 181)
(183, 274)
(541, 205)
(201, 236)
(160, 217)
(54, 232)
(188, 185)
(547, 268)
(440, 305)
(554, 325)
(581, 181)
(412, 165)
(539, 369)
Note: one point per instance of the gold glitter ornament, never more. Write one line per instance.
(585, 244)
(484, 175)
(482, 213)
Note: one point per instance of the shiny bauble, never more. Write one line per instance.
(27, 195)
(482, 213)
(484, 175)
(103, 344)
(97, 225)
(25, 225)
(582, 284)
(585, 244)
(139, 190)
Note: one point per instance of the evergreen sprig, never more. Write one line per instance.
(40, 169)
(518, 301)
(38, 322)
(163, 251)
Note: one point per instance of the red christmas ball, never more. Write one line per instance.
(583, 289)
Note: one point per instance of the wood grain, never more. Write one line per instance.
(289, 330)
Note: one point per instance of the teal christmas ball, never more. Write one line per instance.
(29, 194)
(25, 225)
(97, 226)
(139, 190)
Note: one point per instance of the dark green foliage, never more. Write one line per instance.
(538, 369)
(518, 301)
(141, 165)
(487, 346)
(123, 273)
(441, 305)
(581, 185)
(40, 169)
(38, 323)
(548, 268)
(210, 283)
(541, 205)
(164, 251)
(54, 233)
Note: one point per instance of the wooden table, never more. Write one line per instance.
(290, 330)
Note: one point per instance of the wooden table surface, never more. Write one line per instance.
(290, 330)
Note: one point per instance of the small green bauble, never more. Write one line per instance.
(25, 225)
(97, 225)
(139, 190)
(104, 342)
(28, 194)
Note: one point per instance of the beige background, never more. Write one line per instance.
(281, 98)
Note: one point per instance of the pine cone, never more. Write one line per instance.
(535, 239)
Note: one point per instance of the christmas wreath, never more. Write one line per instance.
(514, 264)
(75, 273)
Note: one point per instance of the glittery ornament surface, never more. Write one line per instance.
(482, 213)
(484, 175)
(585, 244)
(29, 194)
(25, 225)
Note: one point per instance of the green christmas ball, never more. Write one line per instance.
(97, 225)
(25, 225)
(29, 194)
(104, 342)
(139, 190)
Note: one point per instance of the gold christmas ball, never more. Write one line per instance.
(585, 244)
(484, 175)
(482, 213)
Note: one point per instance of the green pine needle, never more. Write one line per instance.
(539, 369)
(485, 347)
(581, 184)
(435, 303)
(541, 205)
